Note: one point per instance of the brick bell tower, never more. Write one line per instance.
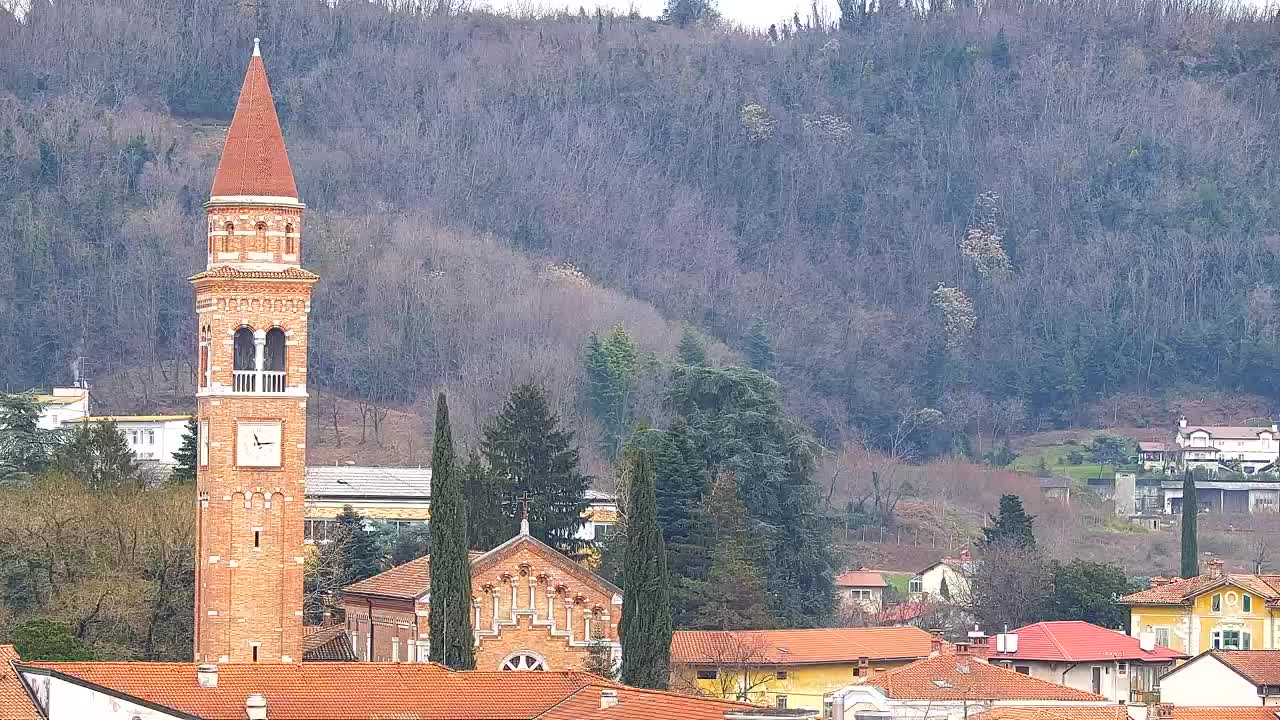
(252, 302)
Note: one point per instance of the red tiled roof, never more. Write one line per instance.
(860, 578)
(1183, 591)
(948, 677)
(228, 271)
(254, 160)
(15, 703)
(1224, 713)
(637, 704)
(1110, 712)
(1260, 667)
(797, 647)
(326, 643)
(1079, 641)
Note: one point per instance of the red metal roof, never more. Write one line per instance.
(1079, 641)
(254, 160)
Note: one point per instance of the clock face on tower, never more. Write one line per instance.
(258, 443)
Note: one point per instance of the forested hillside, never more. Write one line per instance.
(1000, 212)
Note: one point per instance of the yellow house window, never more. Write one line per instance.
(780, 702)
(1231, 640)
(1246, 603)
(1216, 603)
(708, 674)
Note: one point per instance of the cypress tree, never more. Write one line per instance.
(450, 620)
(645, 627)
(185, 457)
(527, 452)
(1190, 506)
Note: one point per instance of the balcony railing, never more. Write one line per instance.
(252, 381)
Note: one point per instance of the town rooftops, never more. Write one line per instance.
(1108, 712)
(61, 396)
(798, 647)
(962, 677)
(1079, 641)
(15, 703)
(860, 579)
(1152, 446)
(1220, 713)
(1183, 591)
(326, 643)
(1228, 432)
(1259, 667)
(368, 691)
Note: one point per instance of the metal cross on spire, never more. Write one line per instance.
(524, 513)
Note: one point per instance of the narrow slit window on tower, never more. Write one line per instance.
(257, 538)
(255, 653)
(290, 242)
(226, 239)
(260, 240)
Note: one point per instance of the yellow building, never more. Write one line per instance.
(1210, 611)
(788, 668)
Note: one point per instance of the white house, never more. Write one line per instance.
(1225, 678)
(61, 406)
(1240, 447)
(950, 687)
(946, 580)
(152, 438)
(1083, 656)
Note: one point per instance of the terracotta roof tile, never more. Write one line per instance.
(254, 160)
(230, 271)
(1261, 667)
(860, 578)
(408, 581)
(1182, 591)
(948, 677)
(796, 647)
(326, 643)
(1110, 712)
(324, 691)
(1225, 713)
(15, 703)
(637, 704)
(1079, 641)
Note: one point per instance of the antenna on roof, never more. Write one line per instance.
(257, 51)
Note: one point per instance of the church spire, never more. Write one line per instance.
(254, 160)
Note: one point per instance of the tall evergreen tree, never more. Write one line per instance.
(760, 348)
(737, 424)
(610, 367)
(645, 627)
(691, 350)
(24, 447)
(1190, 515)
(362, 553)
(186, 455)
(97, 454)
(735, 595)
(450, 620)
(681, 489)
(528, 452)
(490, 521)
(1012, 527)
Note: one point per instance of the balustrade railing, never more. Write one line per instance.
(252, 381)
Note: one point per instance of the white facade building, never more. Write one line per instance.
(1237, 678)
(152, 438)
(1247, 449)
(61, 406)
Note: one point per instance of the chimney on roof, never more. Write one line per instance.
(1164, 711)
(979, 643)
(1182, 422)
(207, 676)
(963, 649)
(935, 643)
(1214, 568)
(608, 698)
(1147, 641)
(255, 707)
(1157, 581)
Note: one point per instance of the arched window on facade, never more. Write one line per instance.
(523, 660)
(204, 356)
(226, 239)
(273, 361)
(290, 242)
(260, 239)
(244, 361)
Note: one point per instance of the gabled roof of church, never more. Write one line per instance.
(254, 160)
(412, 580)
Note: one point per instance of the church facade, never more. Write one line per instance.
(252, 302)
(532, 609)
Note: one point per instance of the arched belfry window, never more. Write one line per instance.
(245, 361)
(273, 361)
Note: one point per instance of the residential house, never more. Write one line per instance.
(62, 405)
(153, 439)
(1158, 456)
(343, 691)
(1084, 656)
(401, 496)
(1241, 448)
(1214, 610)
(1056, 489)
(951, 686)
(860, 591)
(534, 609)
(1226, 678)
(946, 580)
(788, 668)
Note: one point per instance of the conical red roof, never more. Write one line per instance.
(254, 161)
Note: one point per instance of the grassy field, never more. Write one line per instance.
(1055, 460)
